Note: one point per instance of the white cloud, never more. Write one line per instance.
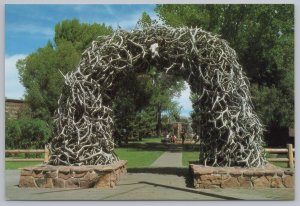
(184, 101)
(13, 87)
(43, 31)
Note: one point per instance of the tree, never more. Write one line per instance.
(80, 35)
(41, 72)
(145, 20)
(41, 77)
(26, 133)
(129, 105)
(263, 36)
(141, 98)
(164, 87)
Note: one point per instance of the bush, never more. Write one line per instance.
(26, 133)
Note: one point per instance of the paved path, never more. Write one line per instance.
(141, 186)
(171, 158)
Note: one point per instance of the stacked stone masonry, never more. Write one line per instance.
(236, 177)
(89, 176)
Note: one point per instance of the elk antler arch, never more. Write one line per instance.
(231, 132)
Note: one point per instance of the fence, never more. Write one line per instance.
(32, 151)
(289, 150)
(290, 153)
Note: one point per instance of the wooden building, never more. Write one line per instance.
(13, 107)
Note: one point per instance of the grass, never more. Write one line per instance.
(16, 165)
(137, 158)
(278, 164)
(151, 140)
(189, 156)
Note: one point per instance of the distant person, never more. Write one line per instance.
(173, 139)
(183, 136)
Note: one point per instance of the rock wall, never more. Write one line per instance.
(98, 176)
(236, 177)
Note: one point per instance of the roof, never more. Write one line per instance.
(14, 100)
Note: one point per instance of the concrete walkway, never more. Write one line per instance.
(149, 185)
(171, 158)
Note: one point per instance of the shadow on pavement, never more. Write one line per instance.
(192, 191)
(179, 171)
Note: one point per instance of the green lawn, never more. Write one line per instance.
(16, 165)
(280, 164)
(189, 156)
(137, 157)
(151, 140)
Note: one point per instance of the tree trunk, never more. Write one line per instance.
(158, 125)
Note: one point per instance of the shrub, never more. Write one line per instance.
(26, 133)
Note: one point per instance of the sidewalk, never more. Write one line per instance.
(170, 158)
(141, 186)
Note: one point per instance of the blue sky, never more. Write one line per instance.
(29, 27)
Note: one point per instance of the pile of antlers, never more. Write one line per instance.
(231, 133)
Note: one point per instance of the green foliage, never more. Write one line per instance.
(189, 156)
(26, 133)
(263, 36)
(138, 158)
(130, 99)
(80, 35)
(142, 98)
(153, 139)
(270, 99)
(40, 72)
(143, 123)
(17, 165)
(163, 88)
(145, 20)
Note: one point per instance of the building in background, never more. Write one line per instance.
(13, 108)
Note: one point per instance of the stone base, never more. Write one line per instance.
(237, 177)
(88, 176)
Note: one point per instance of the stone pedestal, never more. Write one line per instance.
(237, 177)
(87, 176)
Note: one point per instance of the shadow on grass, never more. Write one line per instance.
(161, 147)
